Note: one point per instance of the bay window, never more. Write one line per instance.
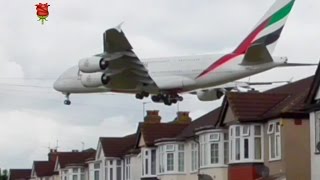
(245, 143)
(274, 138)
(113, 169)
(212, 148)
(96, 171)
(148, 162)
(171, 158)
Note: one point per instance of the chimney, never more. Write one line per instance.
(182, 118)
(53, 154)
(152, 117)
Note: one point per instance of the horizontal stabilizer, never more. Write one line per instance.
(296, 64)
(256, 54)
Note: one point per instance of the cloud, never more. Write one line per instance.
(29, 133)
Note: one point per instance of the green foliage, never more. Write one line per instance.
(4, 175)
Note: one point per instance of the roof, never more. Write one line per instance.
(208, 119)
(154, 131)
(75, 158)
(314, 87)
(283, 101)
(252, 106)
(20, 174)
(117, 146)
(43, 168)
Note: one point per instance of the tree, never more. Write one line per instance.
(4, 175)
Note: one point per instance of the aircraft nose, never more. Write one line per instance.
(57, 85)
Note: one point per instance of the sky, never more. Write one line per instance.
(32, 115)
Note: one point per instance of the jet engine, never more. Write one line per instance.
(94, 79)
(210, 95)
(93, 64)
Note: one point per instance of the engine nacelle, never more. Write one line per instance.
(94, 79)
(209, 95)
(93, 64)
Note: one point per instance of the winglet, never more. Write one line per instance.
(118, 28)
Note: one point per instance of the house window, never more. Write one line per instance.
(171, 158)
(148, 162)
(181, 158)
(226, 147)
(153, 161)
(245, 143)
(317, 132)
(161, 159)
(96, 175)
(74, 177)
(194, 157)
(119, 170)
(113, 169)
(170, 161)
(212, 149)
(274, 137)
(127, 168)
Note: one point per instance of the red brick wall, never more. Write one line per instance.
(243, 172)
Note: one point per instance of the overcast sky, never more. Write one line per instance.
(32, 119)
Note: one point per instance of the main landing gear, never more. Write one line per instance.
(67, 101)
(142, 95)
(167, 99)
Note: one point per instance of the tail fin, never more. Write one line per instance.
(269, 28)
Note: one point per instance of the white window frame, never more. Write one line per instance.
(194, 157)
(238, 135)
(175, 149)
(275, 133)
(111, 165)
(127, 170)
(146, 157)
(206, 139)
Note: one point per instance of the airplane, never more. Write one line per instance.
(118, 69)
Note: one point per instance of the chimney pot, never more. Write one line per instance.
(183, 117)
(152, 116)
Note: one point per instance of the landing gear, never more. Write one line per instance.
(142, 95)
(67, 101)
(167, 99)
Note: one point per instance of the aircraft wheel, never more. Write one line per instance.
(155, 98)
(144, 94)
(139, 96)
(67, 102)
(174, 101)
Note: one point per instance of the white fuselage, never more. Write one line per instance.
(177, 74)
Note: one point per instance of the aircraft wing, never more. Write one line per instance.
(123, 63)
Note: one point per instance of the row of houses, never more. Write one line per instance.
(252, 135)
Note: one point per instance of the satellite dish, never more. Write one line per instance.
(318, 146)
(204, 177)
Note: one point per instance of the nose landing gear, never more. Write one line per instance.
(67, 101)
